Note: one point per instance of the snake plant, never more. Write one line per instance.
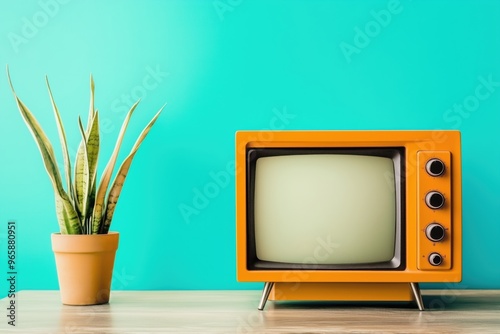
(84, 206)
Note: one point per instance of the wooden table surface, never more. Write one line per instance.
(448, 311)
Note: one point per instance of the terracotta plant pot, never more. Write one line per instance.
(85, 266)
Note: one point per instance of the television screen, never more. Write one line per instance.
(326, 209)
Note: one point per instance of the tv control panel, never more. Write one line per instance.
(434, 210)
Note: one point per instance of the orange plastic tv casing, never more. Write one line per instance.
(419, 146)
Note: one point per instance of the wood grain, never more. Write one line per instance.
(448, 311)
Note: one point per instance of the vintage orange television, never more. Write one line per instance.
(348, 215)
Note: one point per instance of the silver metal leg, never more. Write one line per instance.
(417, 295)
(265, 294)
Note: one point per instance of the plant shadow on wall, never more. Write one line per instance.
(85, 208)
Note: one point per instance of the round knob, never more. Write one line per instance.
(435, 167)
(434, 199)
(435, 232)
(435, 259)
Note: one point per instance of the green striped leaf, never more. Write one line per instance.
(90, 157)
(81, 174)
(69, 222)
(117, 184)
(93, 147)
(85, 169)
(91, 108)
(64, 146)
(66, 215)
(99, 206)
(83, 184)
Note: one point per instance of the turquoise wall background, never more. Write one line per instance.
(226, 65)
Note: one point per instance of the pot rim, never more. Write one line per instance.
(84, 235)
(84, 243)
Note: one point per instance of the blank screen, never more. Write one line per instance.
(325, 209)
